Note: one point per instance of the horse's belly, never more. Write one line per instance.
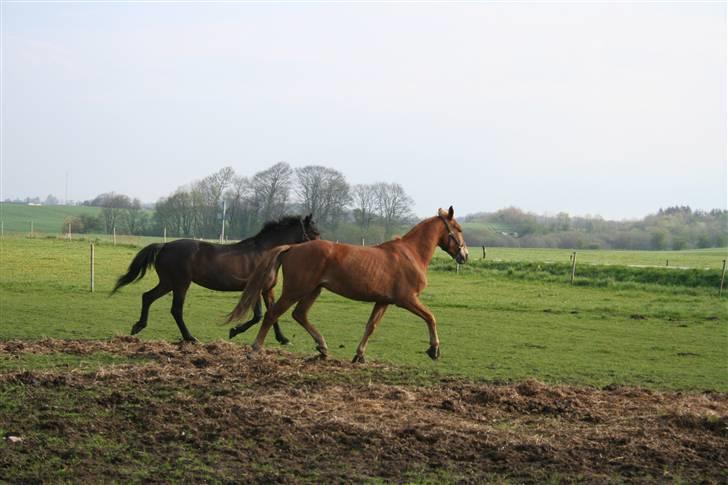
(361, 283)
(221, 282)
(359, 293)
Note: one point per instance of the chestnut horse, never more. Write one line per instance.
(392, 273)
(222, 267)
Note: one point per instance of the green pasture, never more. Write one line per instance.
(493, 324)
(696, 258)
(46, 219)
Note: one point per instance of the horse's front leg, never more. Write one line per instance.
(257, 317)
(415, 306)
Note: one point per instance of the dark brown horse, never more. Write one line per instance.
(222, 267)
(393, 273)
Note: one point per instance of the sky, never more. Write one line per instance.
(611, 109)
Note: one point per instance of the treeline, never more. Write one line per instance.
(373, 212)
(118, 213)
(675, 228)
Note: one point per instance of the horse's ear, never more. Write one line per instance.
(441, 212)
(308, 218)
(450, 213)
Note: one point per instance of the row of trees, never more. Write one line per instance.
(118, 212)
(197, 210)
(375, 212)
(673, 228)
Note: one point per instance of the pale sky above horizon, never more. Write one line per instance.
(603, 108)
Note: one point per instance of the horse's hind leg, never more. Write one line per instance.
(271, 316)
(269, 299)
(374, 319)
(178, 301)
(300, 314)
(148, 298)
(257, 316)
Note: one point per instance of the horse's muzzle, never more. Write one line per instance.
(461, 257)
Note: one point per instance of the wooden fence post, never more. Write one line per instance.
(573, 267)
(165, 233)
(69, 232)
(31, 229)
(114, 235)
(92, 267)
(722, 279)
(483, 251)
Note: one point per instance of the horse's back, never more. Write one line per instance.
(221, 267)
(368, 273)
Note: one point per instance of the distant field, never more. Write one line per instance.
(487, 226)
(45, 218)
(695, 258)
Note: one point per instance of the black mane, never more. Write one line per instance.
(274, 225)
(282, 223)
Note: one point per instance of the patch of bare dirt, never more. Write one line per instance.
(217, 412)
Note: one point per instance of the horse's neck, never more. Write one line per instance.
(267, 242)
(422, 240)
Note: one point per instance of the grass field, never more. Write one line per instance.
(610, 380)
(46, 219)
(493, 325)
(697, 258)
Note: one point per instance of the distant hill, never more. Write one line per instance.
(45, 218)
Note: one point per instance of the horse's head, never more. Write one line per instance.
(287, 230)
(451, 238)
(309, 231)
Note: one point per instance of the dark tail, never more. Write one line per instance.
(139, 265)
(263, 278)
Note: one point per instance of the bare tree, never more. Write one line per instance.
(240, 211)
(175, 213)
(323, 192)
(364, 199)
(393, 205)
(112, 209)
(271, 191)
(135, 217)
(207, 197)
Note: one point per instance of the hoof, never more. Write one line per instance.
(323, 352)
(284, 341)
(358, 359)
(190, 340)
(138, 327)
(233, 332)
(434, 353)
(255, 348)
